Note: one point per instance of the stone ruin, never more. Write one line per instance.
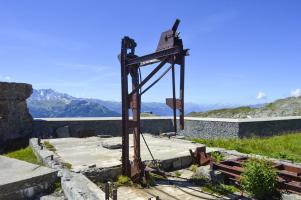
(15, 119)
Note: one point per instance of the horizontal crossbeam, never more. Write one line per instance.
(152, 56)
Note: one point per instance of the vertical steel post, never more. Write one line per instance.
(174, 95)
(125, 110)
(182, 77)
(107, 191)
(136, 109)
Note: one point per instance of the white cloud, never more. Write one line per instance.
(5, 78)
(261, 95)
(296, 92)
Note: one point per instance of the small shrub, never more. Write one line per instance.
(217, 156)
(260, 179)
(49, 146)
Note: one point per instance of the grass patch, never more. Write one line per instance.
(282, 147)
(217, 156)
(124, 181)
(67, 165)
(49, 146)
(193, 168)
(57, 186)
(222, 112)
(25, 154)
(178, 174)
(220, 189)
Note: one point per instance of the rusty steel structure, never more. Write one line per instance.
(169, 51)
(289, 176)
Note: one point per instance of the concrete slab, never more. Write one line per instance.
(85, 152)
(22, 180)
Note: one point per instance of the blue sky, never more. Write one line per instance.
(242, 52)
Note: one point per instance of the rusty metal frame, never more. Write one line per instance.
(289, 176)
(170, 50)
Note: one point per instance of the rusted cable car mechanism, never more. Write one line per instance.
(169, 51)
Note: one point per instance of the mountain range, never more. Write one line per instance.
(50, 103)
(290, 106)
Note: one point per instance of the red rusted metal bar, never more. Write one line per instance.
(149, 77)
(125, 108)
(289, 176)
(137, 166)
(174, 109)
(182, 78)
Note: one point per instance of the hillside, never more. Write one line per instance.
(290, 106)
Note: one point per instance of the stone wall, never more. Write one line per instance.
(15, 120)
(239, 128)
(210, 128)
(194, 127)
(89, 126)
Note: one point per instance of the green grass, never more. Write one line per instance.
(67, 165)
(178, 174)
(25, 154)
(224, 111)
(49, 146)
(124, 181)
(220, 189)
(286, 147)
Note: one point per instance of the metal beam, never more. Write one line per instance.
(156, 55)
(149, 77)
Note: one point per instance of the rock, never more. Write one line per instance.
(111, 145)
(291, 197)
(92, 166)
(217, 176)
(212, 175)
(104, 136)
(203, 171)
(15, 120)
(63, 132)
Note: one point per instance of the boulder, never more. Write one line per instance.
(111, 145)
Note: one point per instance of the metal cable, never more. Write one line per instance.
(151, 85)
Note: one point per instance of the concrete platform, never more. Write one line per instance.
(85, 153)
(22, 180)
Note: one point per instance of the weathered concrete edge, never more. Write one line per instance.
(29, 188)
(75, 185)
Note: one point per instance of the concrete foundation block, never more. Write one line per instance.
(22, 180)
